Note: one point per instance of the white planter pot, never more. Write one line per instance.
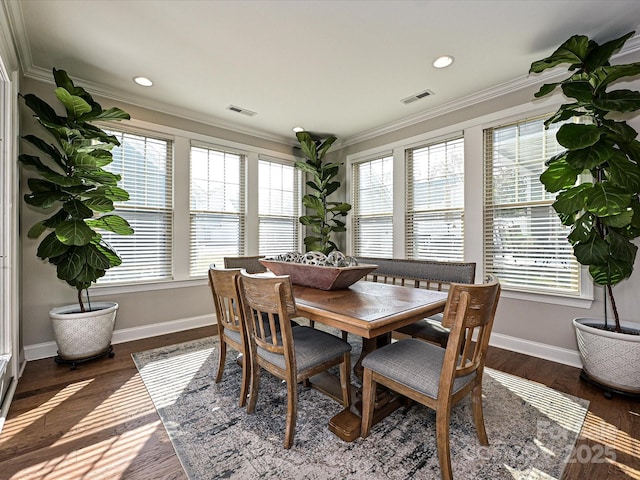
(82, 335)
(610, 358)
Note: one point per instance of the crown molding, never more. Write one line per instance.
(524, 81)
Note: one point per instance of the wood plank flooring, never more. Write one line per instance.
(98, 422)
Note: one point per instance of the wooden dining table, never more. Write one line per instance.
(372, 311)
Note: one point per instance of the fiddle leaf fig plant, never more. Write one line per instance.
(72, 187)
(603, 213)
(323, 217)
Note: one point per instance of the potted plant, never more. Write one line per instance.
(604, 213)
(77, 193)
(326, 216)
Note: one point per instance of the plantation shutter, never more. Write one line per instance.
(435, 201)
(217, 210)
(525, 244)
(279, 207)
(145, 164)
(373, 208)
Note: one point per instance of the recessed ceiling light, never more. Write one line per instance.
(297, 129)
(442, 62)
(144, 81)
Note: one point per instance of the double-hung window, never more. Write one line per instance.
(145, 164)
(524, 242)
(435, 201)
(372, 199)
(217, 206)
(278, 207)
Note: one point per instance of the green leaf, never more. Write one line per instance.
(590, 157)
(311, 202)
(97, 259)
(619, 132)
(112, 223)
(332, 187)
(71, 266)
(75, 106)
(618, 101)
(574, 136)
(325, 146)
(606, 75)
(44, 200)
(62, 180)
(74, 232)
(110, 254)
(559, 175)
(592, 252)
(619, 221)
(305, 167)
(572, 200)
(51, 247)
(605, 199)
(600, 55)
(112, 114)
(621, 248)
(32, 161)
(582, 229)
(573, 51)
(42, 109)
(46, 148)
(581, 91)
(339, 207)
(99, 204)
(624, 172)
(36, 230)
(565, 112)
(77, 210)
(310, 220)
(546, 89)
(56, 219)
(610, 273)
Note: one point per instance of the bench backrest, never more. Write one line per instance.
(428, 274)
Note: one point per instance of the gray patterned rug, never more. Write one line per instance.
(532, 429)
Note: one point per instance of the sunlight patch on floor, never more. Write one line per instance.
(20, 422)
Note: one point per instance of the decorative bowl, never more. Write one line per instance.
(317, 276)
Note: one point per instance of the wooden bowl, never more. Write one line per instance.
(320, 277)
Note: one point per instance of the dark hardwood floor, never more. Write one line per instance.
(98, 422)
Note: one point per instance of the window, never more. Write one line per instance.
(217, 212)
(435, 201)
(373, 208)
(145, 164)
(278, 207)
(525, 244)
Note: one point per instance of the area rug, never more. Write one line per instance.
(532, 429)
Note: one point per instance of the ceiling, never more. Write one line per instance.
(332, 67)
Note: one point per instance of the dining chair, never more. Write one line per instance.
(292, 354)
(231, 323)
(251, 264)
(435, 377)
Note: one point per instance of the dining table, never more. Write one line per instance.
(372, 311)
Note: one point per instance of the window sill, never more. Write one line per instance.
(575, 302)
(103, 290)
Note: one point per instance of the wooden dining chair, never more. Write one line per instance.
(436, 377)
(231, 325)
(292, 354)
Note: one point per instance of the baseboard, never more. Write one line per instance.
(49, 349)
(535, 349)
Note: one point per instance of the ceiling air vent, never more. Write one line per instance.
(241, 110)
(416, 97)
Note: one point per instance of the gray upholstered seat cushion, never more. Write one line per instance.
(312, 348)
(233, 335)
(413, 363)
(431, 326)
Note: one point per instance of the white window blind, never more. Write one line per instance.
(217, 212)
(145, 164)
(525, 243)
(278, 207)
(372, 204)
(435, 201)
